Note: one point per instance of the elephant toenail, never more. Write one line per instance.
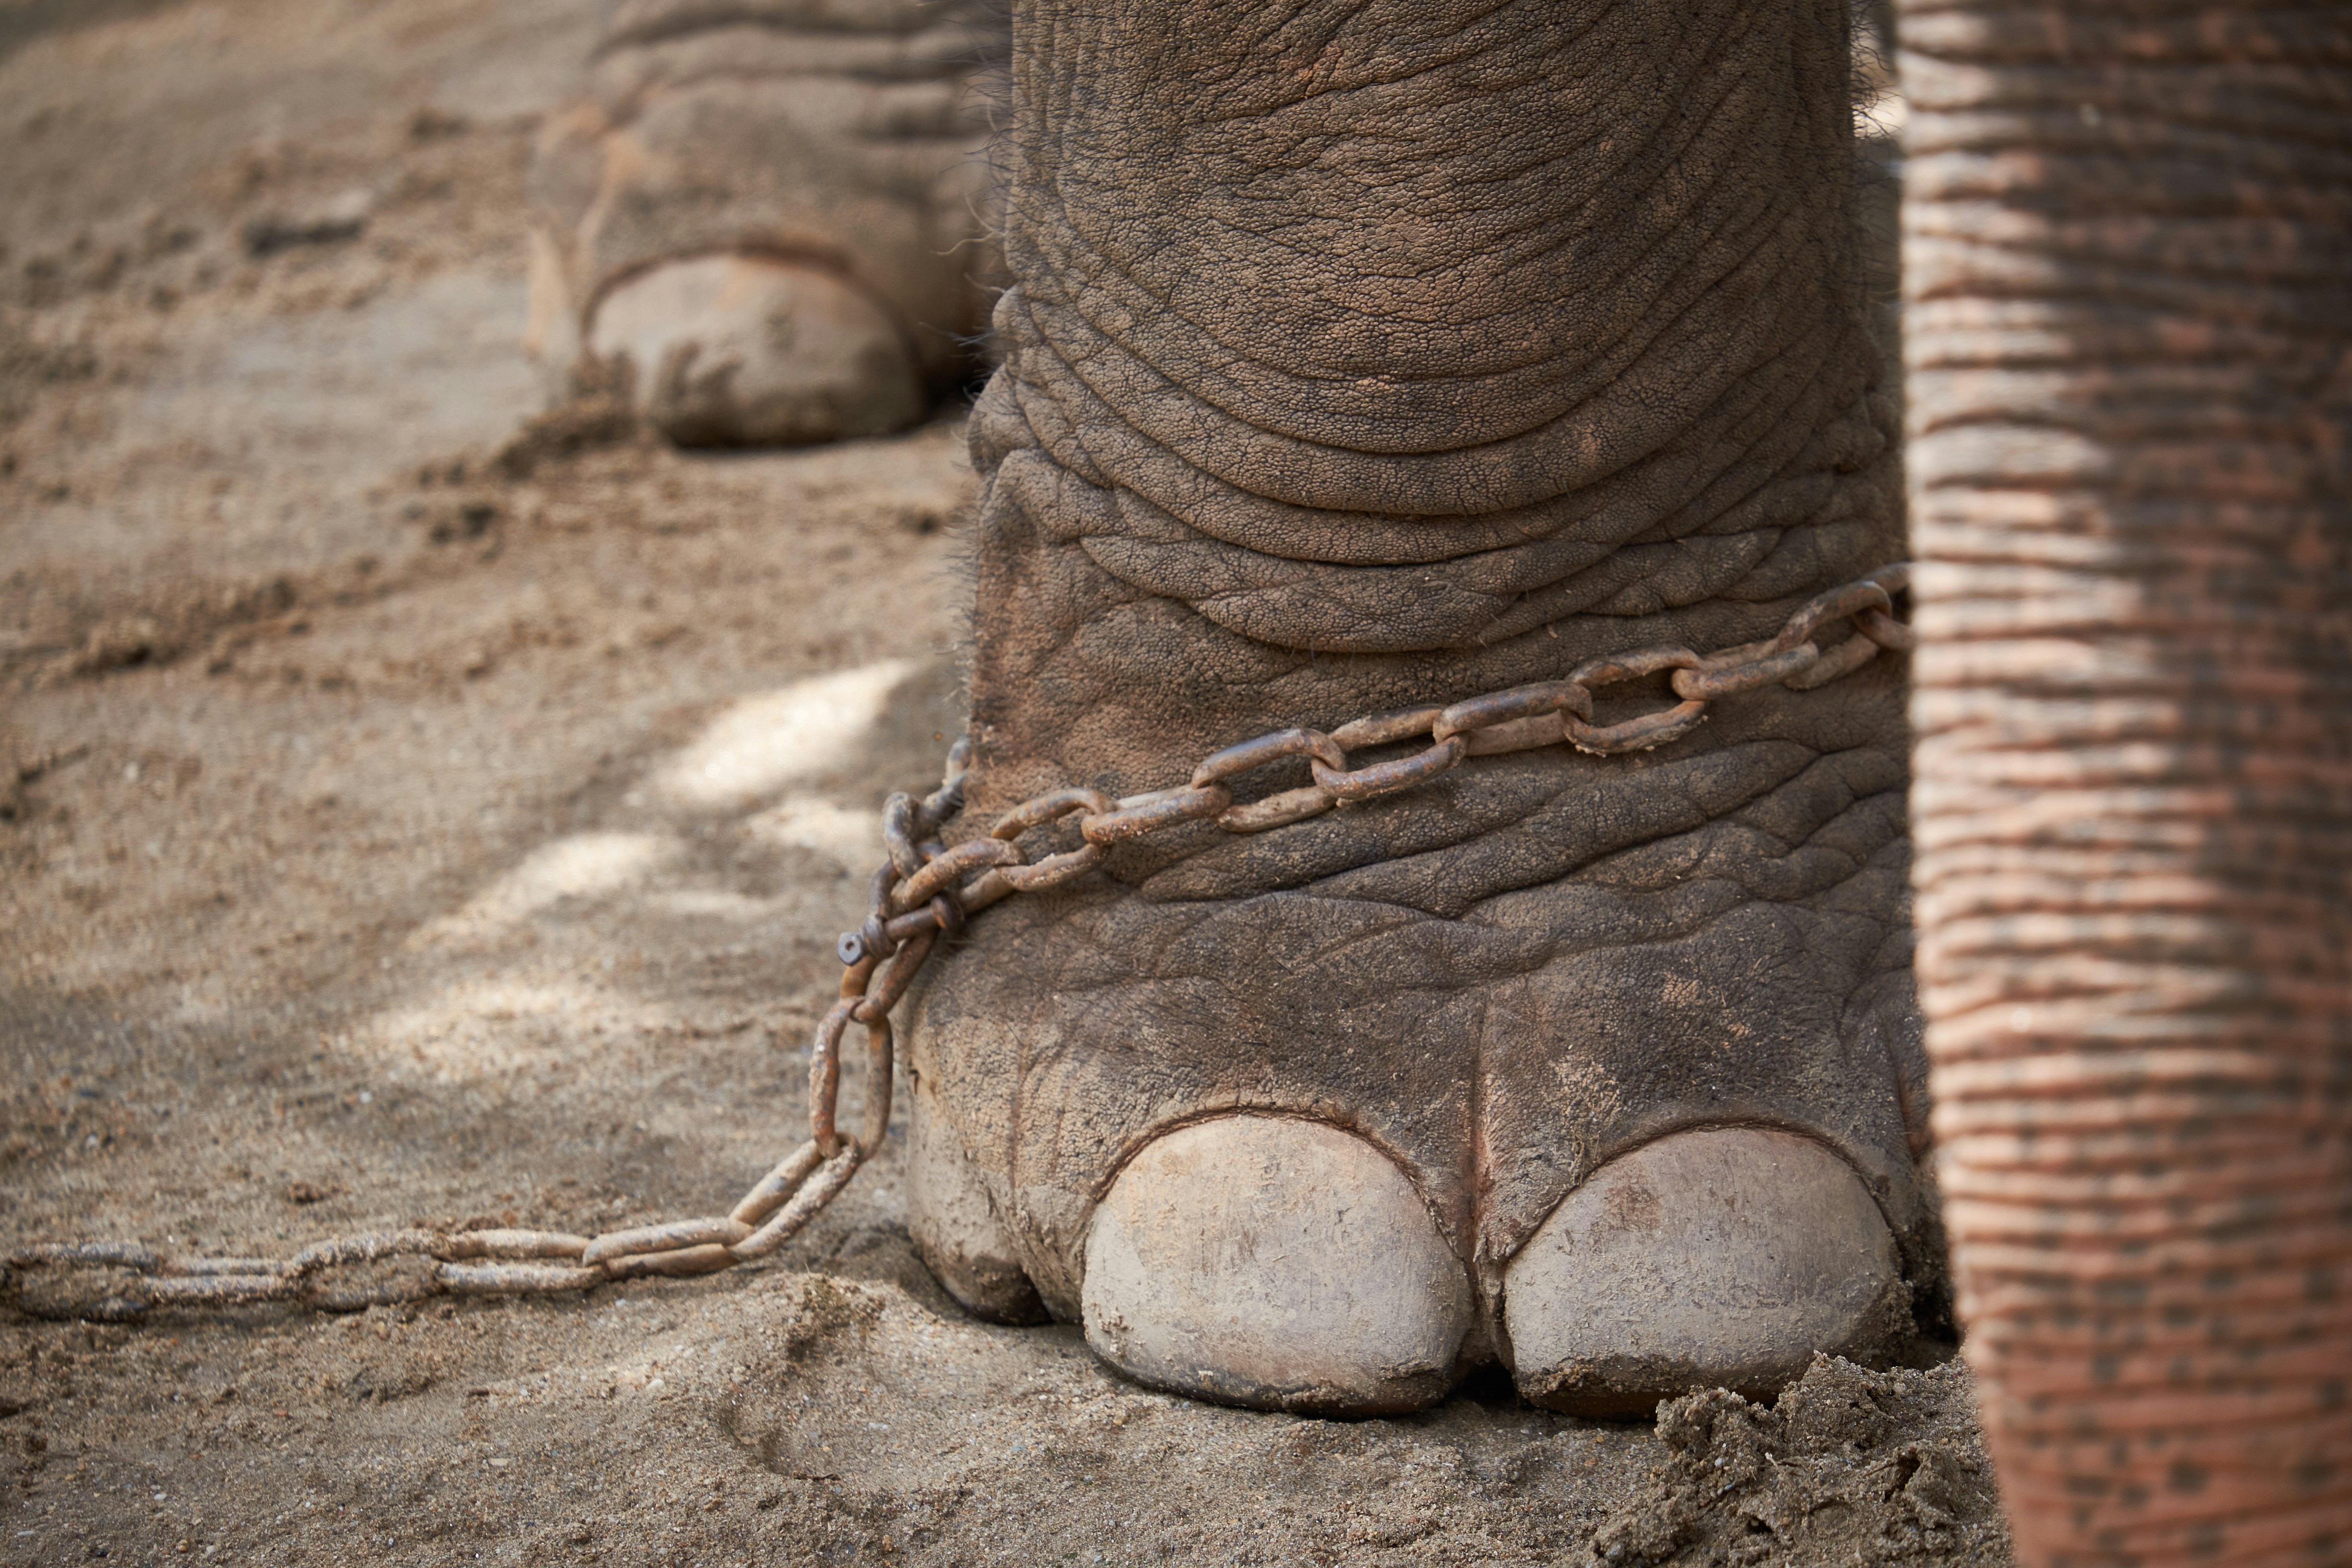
(1724, 1257)
(1279, 1263)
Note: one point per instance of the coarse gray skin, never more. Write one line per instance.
(1362, 355)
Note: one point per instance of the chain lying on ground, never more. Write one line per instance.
(921, 894)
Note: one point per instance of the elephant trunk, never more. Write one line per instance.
(2128, 282)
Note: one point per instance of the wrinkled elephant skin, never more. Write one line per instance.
(1361, 356)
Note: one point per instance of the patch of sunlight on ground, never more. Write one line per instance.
(584, 866)
(714, 903)
(761, 743)
(497, 1025)
(804, 822)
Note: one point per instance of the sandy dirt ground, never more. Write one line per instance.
(392, 836)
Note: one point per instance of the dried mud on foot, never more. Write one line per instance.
(390, 834)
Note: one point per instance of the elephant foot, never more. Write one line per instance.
(745, 350)
(1633, 1130)
(1721, 1258)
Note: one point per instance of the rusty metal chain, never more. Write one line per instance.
(926, 891)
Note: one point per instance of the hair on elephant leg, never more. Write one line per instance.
(2128, 255)
(766, 221)
(1361, 357)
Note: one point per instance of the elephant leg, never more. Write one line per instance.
(1358, 357)
(2128, 263)
(765, 220)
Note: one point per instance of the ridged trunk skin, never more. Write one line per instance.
(2128, 269)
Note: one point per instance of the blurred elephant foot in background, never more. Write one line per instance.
(739, 351)
(767, 223)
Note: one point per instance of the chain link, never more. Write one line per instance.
(920, 895)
